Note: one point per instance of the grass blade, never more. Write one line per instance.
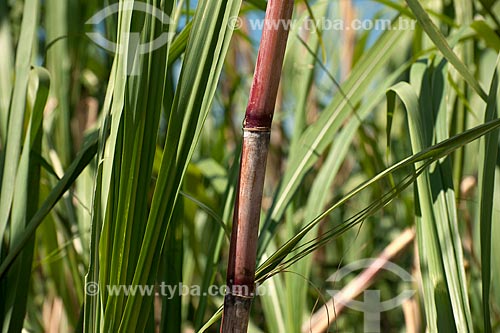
(487, 190)
(25, 203)
(441, 43)
(17, 111)
(319, 135)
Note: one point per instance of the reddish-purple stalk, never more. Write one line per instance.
(256, 134)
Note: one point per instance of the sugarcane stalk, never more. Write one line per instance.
(256, 134)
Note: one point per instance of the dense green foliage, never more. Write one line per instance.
(119, 168)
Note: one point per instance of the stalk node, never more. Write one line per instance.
(256, 129)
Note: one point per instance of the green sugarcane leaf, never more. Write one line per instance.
(17, 112)
(84, 157)
(487, 34)
(318, 136)
(487, 191)
(441, 43)
(25, 202)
